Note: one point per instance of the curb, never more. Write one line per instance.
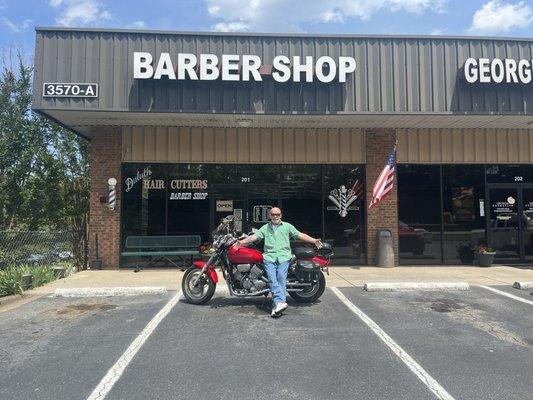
(414, 286)
(523, 285)
(110, 291)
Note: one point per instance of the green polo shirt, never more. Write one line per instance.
(277, 242)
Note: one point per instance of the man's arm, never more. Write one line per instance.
(249, 239)
(306, 238)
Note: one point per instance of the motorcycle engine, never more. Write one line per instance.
(250, 277)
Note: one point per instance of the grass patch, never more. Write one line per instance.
(11, 277)
(42, 274)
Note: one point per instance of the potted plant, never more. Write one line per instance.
(485, 256)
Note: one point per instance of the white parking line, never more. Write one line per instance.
(511, 296)
(116, 371)
(431, 383)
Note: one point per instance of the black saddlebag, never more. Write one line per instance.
(307, 271)
(304, 252)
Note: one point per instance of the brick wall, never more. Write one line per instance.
(379, 143)
(106, 153)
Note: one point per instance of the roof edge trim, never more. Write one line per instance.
(291, 35)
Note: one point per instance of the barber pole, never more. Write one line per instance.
(111, 199)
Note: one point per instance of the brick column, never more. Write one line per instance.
(106, 158)
(379, 143)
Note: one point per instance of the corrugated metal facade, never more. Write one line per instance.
(227, 145)
(256, 146)
(394, 75)
(465, 146)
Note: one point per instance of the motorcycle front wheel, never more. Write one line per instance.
(200, 293)
(313, 293)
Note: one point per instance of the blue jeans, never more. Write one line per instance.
(277, 279)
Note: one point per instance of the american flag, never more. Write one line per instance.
(385, 180)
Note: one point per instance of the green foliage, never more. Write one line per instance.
(11, 280)
(11, 277)
(44, 168)
(42, 274)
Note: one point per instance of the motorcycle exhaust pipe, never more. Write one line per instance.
(264, 291)
(298, 285)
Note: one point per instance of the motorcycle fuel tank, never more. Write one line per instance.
(244, 255)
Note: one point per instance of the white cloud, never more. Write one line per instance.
(17, 28)
(437, 32)
(280, 15)
(137, 25)
(496, 16)
(80, 12)
(237, 26)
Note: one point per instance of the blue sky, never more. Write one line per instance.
(422, 17)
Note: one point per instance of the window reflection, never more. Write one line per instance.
(322, 200)
(301, 191)
(188, 199)
(144, 205)
(419, 225)
(345, 212)
(464, 224)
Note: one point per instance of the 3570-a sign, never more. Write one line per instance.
(70, 90)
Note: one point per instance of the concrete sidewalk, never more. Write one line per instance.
(339, 277)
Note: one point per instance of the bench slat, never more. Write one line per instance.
(147, 242)
(159, 253)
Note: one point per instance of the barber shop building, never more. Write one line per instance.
(187, 128)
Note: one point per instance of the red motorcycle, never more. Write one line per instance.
(244, 272)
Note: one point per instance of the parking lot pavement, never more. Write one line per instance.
(232, 349)
(523, 294)
(476, 344)
(58, 348)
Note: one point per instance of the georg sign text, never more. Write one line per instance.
(233, 67)
(498, 70)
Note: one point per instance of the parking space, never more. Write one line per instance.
(232, 349)
(526, 294)
(475, 345)
(58, 348)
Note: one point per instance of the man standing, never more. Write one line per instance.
(277, 254)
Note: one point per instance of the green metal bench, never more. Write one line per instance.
(182, 248)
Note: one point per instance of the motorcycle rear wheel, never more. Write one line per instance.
(204, 290)
(313, 294)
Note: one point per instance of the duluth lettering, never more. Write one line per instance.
(130, 182)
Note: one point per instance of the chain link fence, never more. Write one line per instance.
(35, 247)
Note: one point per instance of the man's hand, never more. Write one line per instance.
(246, 240)
(308, 239)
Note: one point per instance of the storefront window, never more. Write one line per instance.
(344, 212)
(262, 174)
(463, 194)
(301, 196)
(144, 190)
(188, 199)
(419, 205)
(514, 174)
(185, 199)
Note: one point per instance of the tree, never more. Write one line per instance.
(44, 168)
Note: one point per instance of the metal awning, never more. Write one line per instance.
(84, 121)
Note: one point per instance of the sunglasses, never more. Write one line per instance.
(275, 215)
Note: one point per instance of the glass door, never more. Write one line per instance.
(260, 199)
(503, 223)
(527, 223)
(228, 199)
(249, 204)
